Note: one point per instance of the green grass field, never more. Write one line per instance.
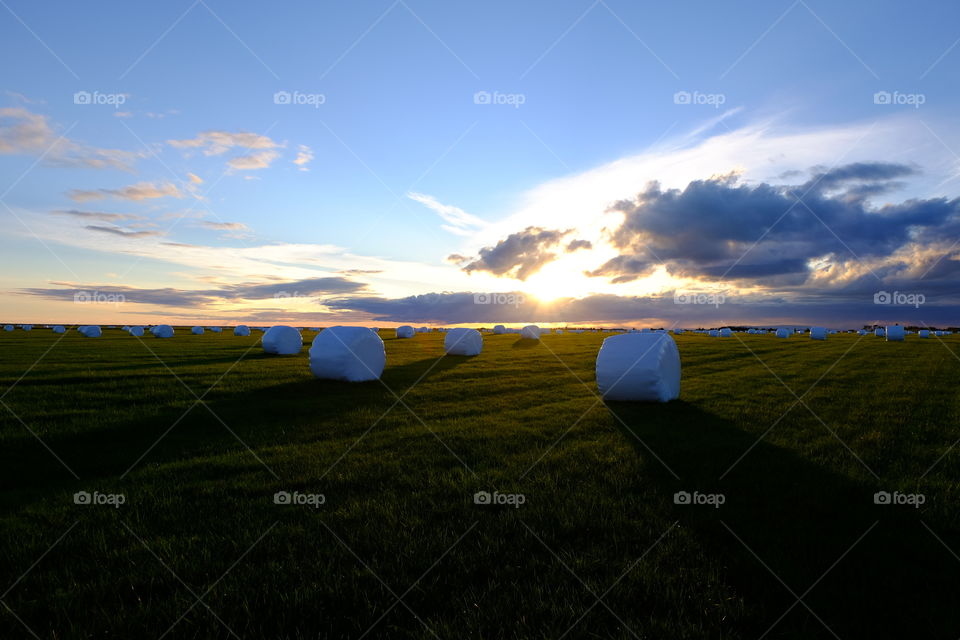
(199, 432)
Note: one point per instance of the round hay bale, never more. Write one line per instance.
(282, 340)
(8, 327)
(530, 332)
(463, 342)
(499, 329)
(895, 333)
(713, 333)
(639, 367)
(241, 330)
(162, 331)
(216, 329)
(726, 332)
(26, 327)
(59, 329)
(197, 331)
(879, 332)
(351, 354)
(818, 333)
(90, 331)
(406, 331)
(783, 333)
(136, 331)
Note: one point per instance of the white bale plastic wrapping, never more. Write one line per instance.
(713, 333)
(216, 329)
(8, 327)
(726, 332)
(783, 333)
(641, 367)
(351, 354)
(818, 333)
(241, 330)
(136, 331)
(895, 333)
(879, 332)
(26, 327)
(463, 342)
(90, 331)
(162, 331)
(531, 332)
(924, 333)
(197, 331)
(59, 329)
(282, 340)
(406, 331)
(499, 329)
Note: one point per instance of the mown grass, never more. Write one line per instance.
(399, 463)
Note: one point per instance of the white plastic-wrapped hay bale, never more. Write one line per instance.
(8, 327)
(559, 332)
(713, 333)
(90, 331)
(499, 329)
(216, 329)
(282, 340)
(406, 331)
(879, 332)
(26, 327)
(241, 330)
(530, 332)
(162, 331)
(818, 333)
(642, 367)
(783, 333)
(463, 342)
(59, 329)
(136, 331)
(197, 331)
(923, 333)
(895, 333)
(351, 354)
(726, 332)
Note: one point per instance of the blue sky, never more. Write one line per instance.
(498, 116)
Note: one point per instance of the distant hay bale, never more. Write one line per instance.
(895, 333)
(8, 327)
(59, 329)
(406, 331)
(641, 367)
(879, 332)
(241, 330)
(499, 329)
(135, 331)
(197, 331)
(924, 333)
(351, 354)
(90, 331)
(463, 342)
(216, 329)
(162, 331)
(818, 333)
(726, 332)
(530, 332)
(783, 333)
(26, 327)
(282, 340)
(713, 333)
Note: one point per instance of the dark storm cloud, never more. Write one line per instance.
(719, 229)
(519, 255)
(850, 309)
(307, 288)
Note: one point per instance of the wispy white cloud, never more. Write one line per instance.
(138, 191)
(457, 220)
(304, 156)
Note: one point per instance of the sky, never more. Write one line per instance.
(441, 163)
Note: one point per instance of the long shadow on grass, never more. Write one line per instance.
(799, 519)
(292, 413)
